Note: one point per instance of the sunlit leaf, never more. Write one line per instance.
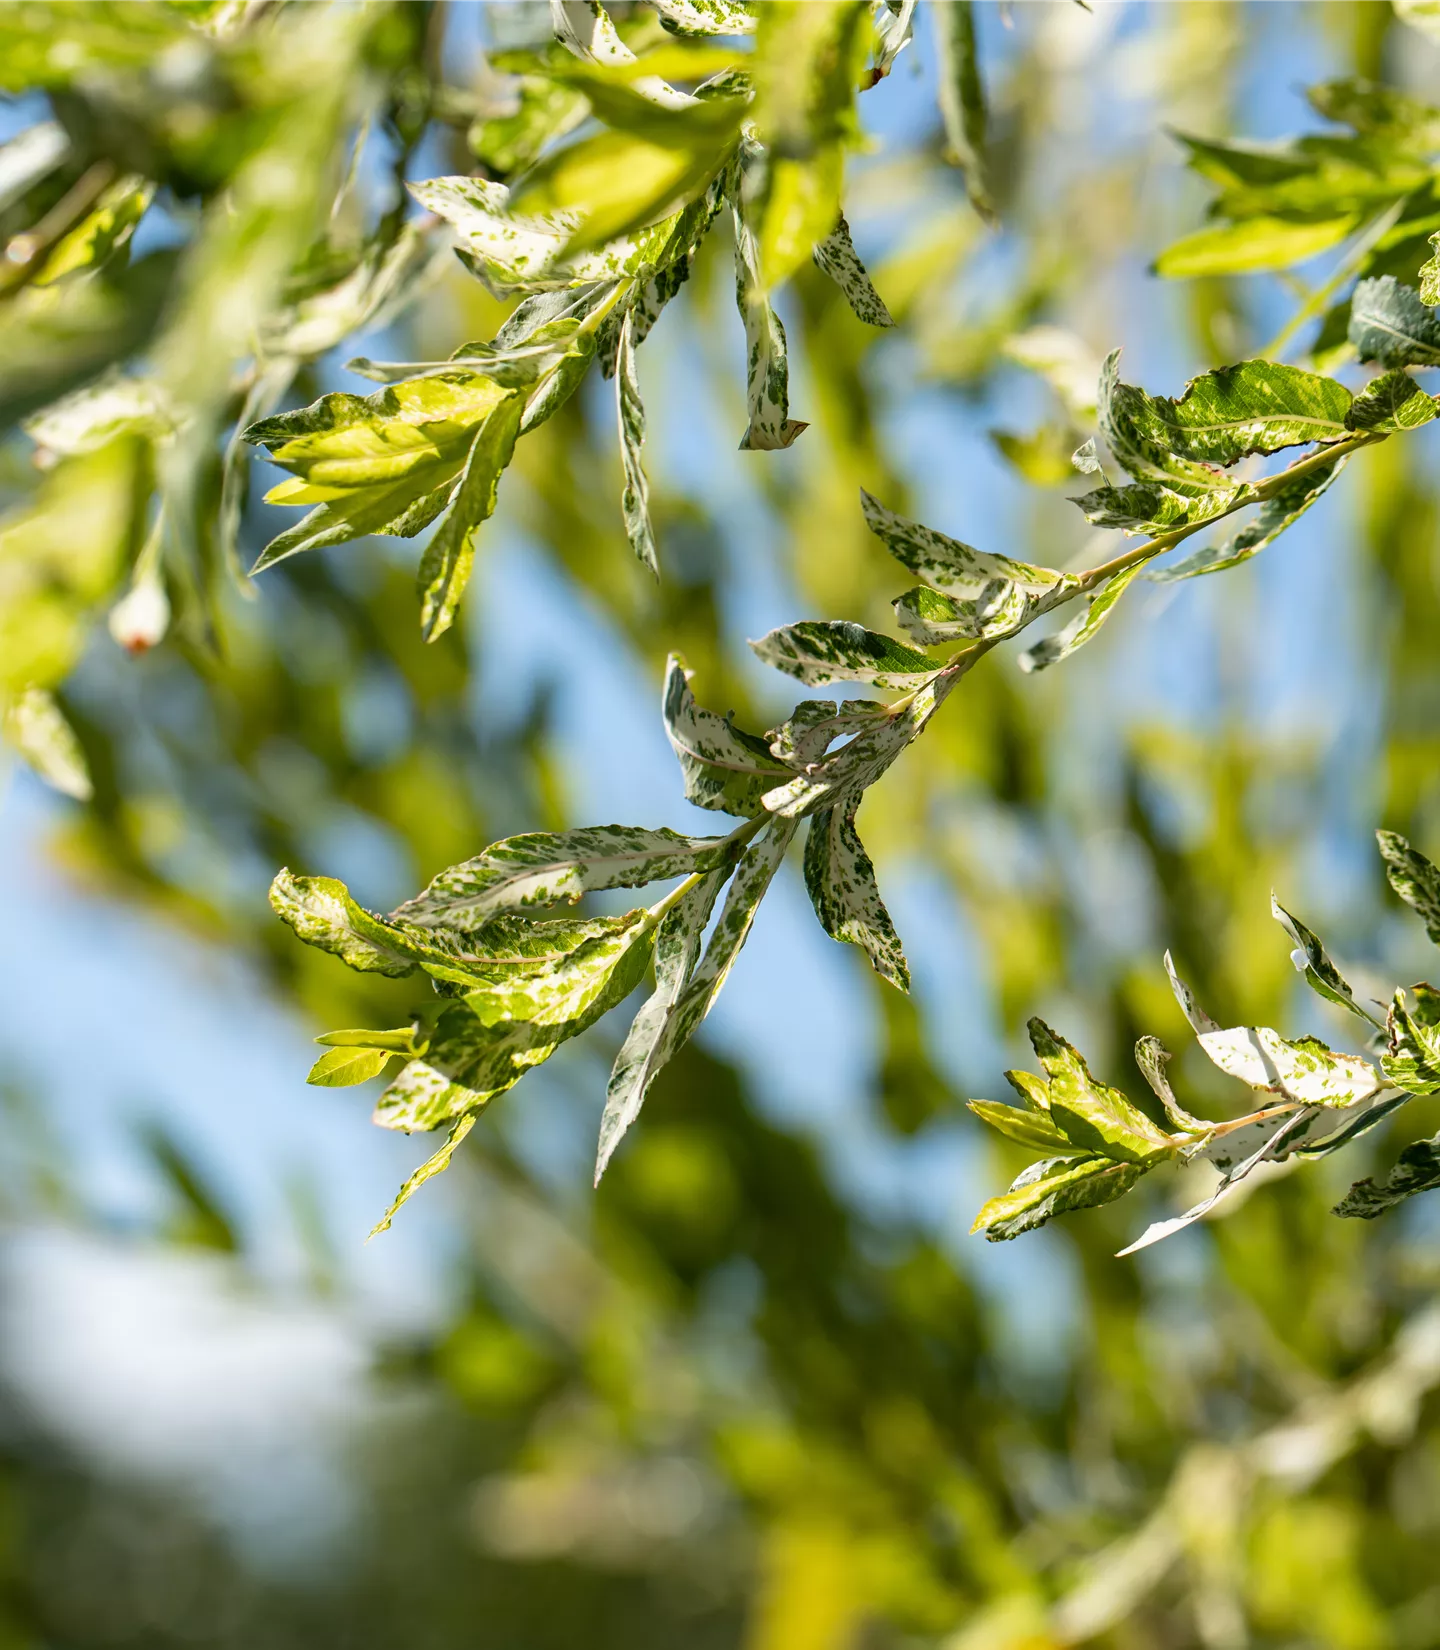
(635, 499)
(1413, 877)
(836, 256)
(36, 726)
(1412, 1054)
(723, 767)
(949, 565)
(427, 1171)
(1253, 244)
(1417, 1169)
(1391, 403)
(1313, 961)
(1055, 1186)
(835, 650)
(962, 100)
(1024, 1127)
(1082, 628)
(1090, 1114)
(841, 882)
(541, 868)
(343, 1067)
(767, 367)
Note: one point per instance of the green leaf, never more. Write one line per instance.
(427, 1171)
(836, 256)
(949, 565)
(1416, 1170)
(1412, 1057)
(1389, 324)
(1413, 877)
(1223, 416)
(449, 557)
(36, 726)
(385, 463)
(962, 100)
(1391, 402)
(341, 1067)
(1254, 244)
(621, 184)
(837, 650)
(88, 418)
(767, 371)
(1054, 1186)
(1082, 628)
(1025, 1127)
(840, 878)
(1090, 1114)
(1279, 512)
(1430, 275)
(1313, 961)
(402, 1040)
(545, 110)
(649, 1042)
(102, 233)
(723, 767)
(541, 868)
(635, 500)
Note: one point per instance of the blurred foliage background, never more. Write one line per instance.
(760, 1390)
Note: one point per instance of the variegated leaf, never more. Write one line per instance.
(962, 100)
(1390, 324)
(36, 726)
(647, 1046)
(815, 724)
(722, 766)
(1091, 1115)
(840, 878)
(1279, 512)
(1223, 416)
(1150, 508)
(1190, 1007)
(322, 914)
(932, 618)
(529, 252)
(1055, 1186)
(584, 28)
(894, 22)
(1304, 1070)
(949, 565)
(427, 1171)
(836, 650)
(87, 418)
(837, 257)
(449, 557)
(1412, 1053)
(1313, 961)
(635, 499)
(1391, 403)
(767, 369)
(1414, 878)
(541, 868)
(1082, 628)
(1152, 1057)
(706, 16)
(1417, 1169)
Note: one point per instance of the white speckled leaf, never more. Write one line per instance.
(1413, 877)
(1417, 1169)
(706, 16)
(541, 868)
(87, 418)
(949, 565)
(1391, 403)
(932, 618)
(1091, 1115)
(1223, 416)
(36, 726)
(635, 499)
(767, 371)
(1313, 961)
(584, 28)
(1412, 1057)
(723, 767)
(1273, 517)
(647, 1046)
(519, 252)
(837, 257)
(1150, 508)
(840, 878)
(836, 650)
(1055, 1186)
(815, 724)
(322, 913)
(427, 1171)
(1082, 628)
(1305, 1070)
